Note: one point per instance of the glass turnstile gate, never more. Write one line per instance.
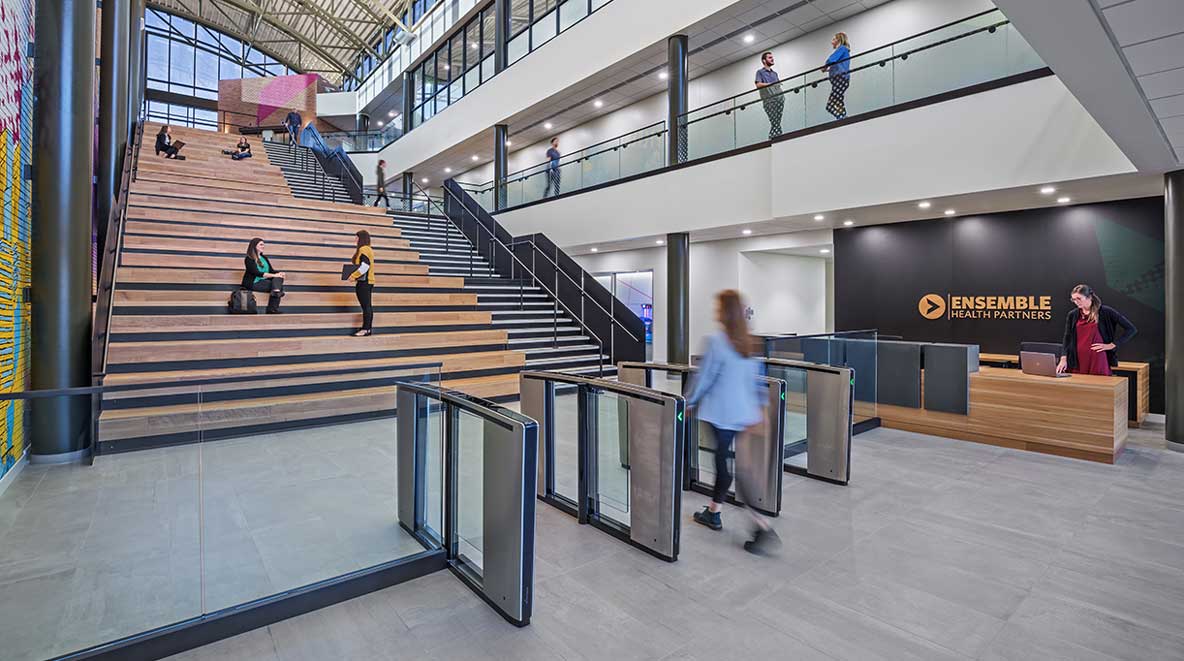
(756, 458)
(610, 453)
(819, 418)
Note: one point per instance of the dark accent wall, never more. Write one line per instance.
(882, 272)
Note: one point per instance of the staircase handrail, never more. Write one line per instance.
(116, 221)
(322, 150)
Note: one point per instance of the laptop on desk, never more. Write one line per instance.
(1040, 364)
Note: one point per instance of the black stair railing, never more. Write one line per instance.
(536, 259)
(332, 161)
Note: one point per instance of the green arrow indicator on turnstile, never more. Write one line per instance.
(852, 380)
(783, 397)
(680, 416)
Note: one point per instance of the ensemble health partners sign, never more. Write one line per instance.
(1009, 307)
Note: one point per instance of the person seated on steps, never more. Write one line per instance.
(165, 144)
(262, 276)
(241, 150)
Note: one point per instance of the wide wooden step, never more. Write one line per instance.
(144, 353)
(288, 266)
(245, 234)
(212, 298)
(276, 249)
(289, 208)
(321, 222)
(141, 325)
(133, 275)
(264, 184)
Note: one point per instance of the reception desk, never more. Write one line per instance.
(1083, 417)
(1137, 374)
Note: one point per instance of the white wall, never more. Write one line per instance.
(1020, 135)
(789, 293)
(868, 30)
(611, 34)
(337, 104)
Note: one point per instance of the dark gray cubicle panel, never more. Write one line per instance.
(860, 355)
(898, 374)
(947, 376)
(822, 351)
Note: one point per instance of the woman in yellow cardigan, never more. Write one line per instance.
(364, 277)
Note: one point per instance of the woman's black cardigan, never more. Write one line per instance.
(1109, 321)
(253, 271)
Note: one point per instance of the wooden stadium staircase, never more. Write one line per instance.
(187, 229)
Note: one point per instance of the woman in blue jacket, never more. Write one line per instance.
(838, 69)
(728, 393)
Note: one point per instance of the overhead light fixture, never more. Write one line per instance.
(848, 223)
(598, 103)
(446, 67)
(1048, 190)
(596, 250)
(662, 75)
(473, 45)
(424, 180)
(924, 205)
(380, 123)
(447, 170)
(660, 242)
(1063, 200)
(547, 126)
(508, 143)
(391, 114)
(748, 38)
(825, 251)
(950, 212)
(476, 157)
(819, 217)
(746, 232)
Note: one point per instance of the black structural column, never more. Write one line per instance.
(676, 98)
(678, 297)
(363, 121)
(135, 61)
(113, 125)
(408, 100)
(408, 183)
(501, 34)
(1173, 217)
(501, 133)
(63, 126)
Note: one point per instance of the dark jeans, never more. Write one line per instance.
(294, 135)
(382, 196)
(170, 151)
(275, 289)
(365, 292)
(241, 155)
(554, 178)
(723, 475)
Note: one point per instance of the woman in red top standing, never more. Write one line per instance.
(1091, 334)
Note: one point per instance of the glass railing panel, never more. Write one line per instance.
(763, 116)
(513, 192)
(518, 47)
(959, 63)
(643, 152)
(612, 455)
(434, 474)
(571, 12)
(487, 69)
(601, 167)
(597, 4)
(567, 442)
(470, 489)
(534, 186)
(1021, 56)
(543, 30)
(710, 130)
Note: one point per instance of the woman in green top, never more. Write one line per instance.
(262, 276)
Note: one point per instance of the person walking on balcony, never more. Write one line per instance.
(293, 122)
(380, 186)
(363, 275)
(838, 69)
(554, 174)
(727, 393)
(769, 84)
(261, 275)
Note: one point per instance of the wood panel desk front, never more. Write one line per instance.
(1139, 374)
(1082, 416)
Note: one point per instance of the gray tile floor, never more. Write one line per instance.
(938, 549)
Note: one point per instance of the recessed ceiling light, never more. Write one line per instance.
(473, 45)
(950, 212)
(596, 250)
(662, 75)
(1063, 200)
(380, 123)
(447, 170)
(508, 143)
(424, 180)
(446, 67)
(660, 242)
(925, 205)
(848, 223)
(1048, 190)
(391, 114)
(746, 232)
(748, 38)
(819, 217)
(476, 158)
(598, 103)
(825, 251)
(547, 126)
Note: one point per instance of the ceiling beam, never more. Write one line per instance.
(225, 29)
(336, 25)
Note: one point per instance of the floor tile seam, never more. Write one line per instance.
(1028, 588)
(1055, 541)
(1142, 531)
(1107, 612)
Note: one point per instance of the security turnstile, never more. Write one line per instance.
(819, 421)
(583, 424)
(757, 458)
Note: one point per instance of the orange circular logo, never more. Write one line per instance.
(932, 306)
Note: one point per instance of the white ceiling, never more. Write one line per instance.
(1080, 191)
(714, 43)
(1150, 35)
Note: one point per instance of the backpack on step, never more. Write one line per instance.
(242, 301)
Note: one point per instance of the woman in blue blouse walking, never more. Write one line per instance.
(727, 391)
(838, 68)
